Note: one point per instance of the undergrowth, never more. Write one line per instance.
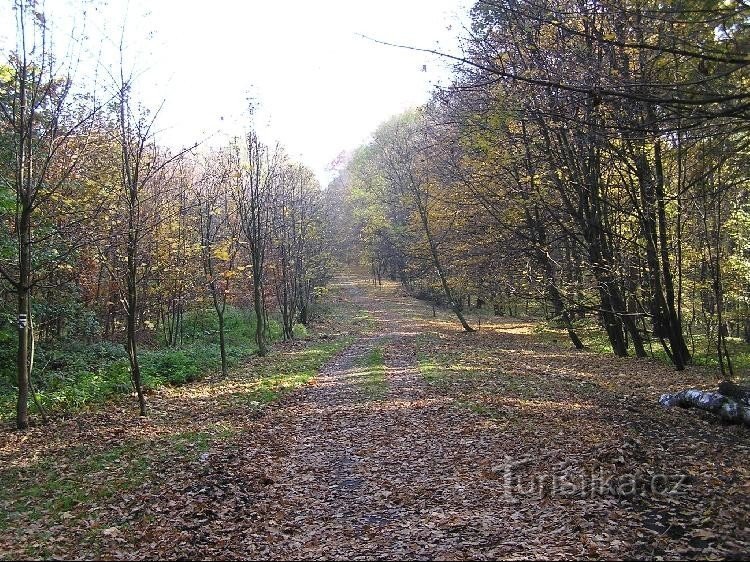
(70, 374)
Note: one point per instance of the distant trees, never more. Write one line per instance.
(589, 158)
(297, 222)
(400, 168)
(282, 219)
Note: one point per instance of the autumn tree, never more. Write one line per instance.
(217, 178)
(254, 198)
(45, 127)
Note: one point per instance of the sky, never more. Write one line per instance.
(318, 87)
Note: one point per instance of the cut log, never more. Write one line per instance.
(727, 408)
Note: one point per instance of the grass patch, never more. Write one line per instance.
(372, 379)
(440, 365)
(339, 315)
(281, 373)
(430, 365)
(519, 386)
(482, 409)
(363, 320)
(430, 370)
(197, 441)
(43, 490)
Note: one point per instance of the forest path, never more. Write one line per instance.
(398, 474)
(420, 441)
(416, 440)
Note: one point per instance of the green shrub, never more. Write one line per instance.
(203, 325)
(171, 366)
(299, 331)
(8, 346)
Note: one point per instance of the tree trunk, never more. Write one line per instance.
(222, 344)
(22, 414)
(131, 344)
(677, 339)
(135, 369)
(455, 306)
(726, 408)
(260, 318)
(24, 294)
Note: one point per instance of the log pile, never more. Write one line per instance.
(731, 402)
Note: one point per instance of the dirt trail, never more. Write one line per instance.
(422, 471)
(378, 475)
(458, 453)
(405, 475)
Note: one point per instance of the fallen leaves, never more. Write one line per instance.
(490, 445)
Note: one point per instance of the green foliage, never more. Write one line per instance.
(8, 345)
(299, 331)
(69, 375)
(203, 325)
(8, 248)
(173, 366)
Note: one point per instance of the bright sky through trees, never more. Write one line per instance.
(319, 86)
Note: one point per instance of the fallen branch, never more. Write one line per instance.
(726, 408)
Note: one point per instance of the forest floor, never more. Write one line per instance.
(414, 440)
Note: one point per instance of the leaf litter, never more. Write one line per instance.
(476, 446)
